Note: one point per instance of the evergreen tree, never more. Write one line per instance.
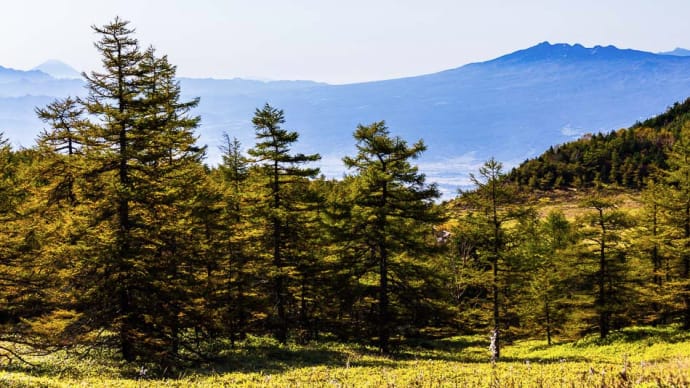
(240, 276)
(494, 202)
(61, 146)
(677, 210)
(609, 276)
(112, 102)
(279, 204)
(143, 173)
(652, 244)
(168, 179)
(391, 208)
(545, 245)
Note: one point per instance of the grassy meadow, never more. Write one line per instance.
(633, 357)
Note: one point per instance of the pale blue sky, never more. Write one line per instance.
(333, 41)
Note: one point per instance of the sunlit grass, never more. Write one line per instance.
(631, 357)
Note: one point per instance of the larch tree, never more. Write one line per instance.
(168, 178)
(17, 289)
(237, 277)
(282, 180)
(677, 223)
(113, 109)
(546, 262)
(143, 173)
(391, 216)
(605, 253)
(56, 172)
(493, 202)
(61, 146)
(653, 237)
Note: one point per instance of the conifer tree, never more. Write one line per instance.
(282, 180)
(238, 278)
(494, 201)
(545, 245)
(168, 178)
(609, 273)
(31, 302)
(677, 219)
(143, 173)
(55, 177)
(108, 148)
(11, 243)
(61, 145)
(653, 245)
(392, 206)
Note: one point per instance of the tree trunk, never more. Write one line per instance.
(384, 319)
(547, 311)
(384, 333)
(604, 316)
(686, 271)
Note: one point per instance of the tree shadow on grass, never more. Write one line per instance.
(277, 359)
(273, 358)
(663, 334)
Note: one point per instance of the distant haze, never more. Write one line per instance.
(512, 107)
(58, 69)
(679, 52)
(333, 41)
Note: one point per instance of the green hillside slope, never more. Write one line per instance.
(625, 157)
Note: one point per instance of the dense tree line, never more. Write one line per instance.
(624, 158)
(115, 235)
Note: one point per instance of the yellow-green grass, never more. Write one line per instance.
(570, 202)
(647, 357)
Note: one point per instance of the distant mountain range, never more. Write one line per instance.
(57, 69)
(512, 107)
(680, 52)
(10, 76)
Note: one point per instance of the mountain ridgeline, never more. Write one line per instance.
(512, 107)
(625, 158)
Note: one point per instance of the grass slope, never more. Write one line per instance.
(638, 356)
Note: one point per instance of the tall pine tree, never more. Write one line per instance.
(143, 173)
(493, 203)
(281, 176)
(391, 216)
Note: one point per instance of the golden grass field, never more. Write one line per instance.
(633, 357)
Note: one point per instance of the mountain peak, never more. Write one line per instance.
(546, 51)
(58, 69)
(677, 52)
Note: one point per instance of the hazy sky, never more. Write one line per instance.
(335, 41)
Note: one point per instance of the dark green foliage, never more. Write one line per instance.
(390, 206)
(545, 252)
(282, 203)
(625, 158)
(673, 119)
(676, 207)
(138, 174)
(494, 202)
(605, 263)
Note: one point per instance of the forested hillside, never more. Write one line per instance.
(626, 157)
(115, 236)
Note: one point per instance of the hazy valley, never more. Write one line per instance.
(513, 107)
